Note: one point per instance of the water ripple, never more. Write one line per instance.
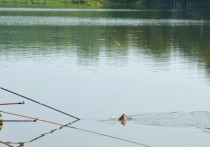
(199, 119)
(75, 21)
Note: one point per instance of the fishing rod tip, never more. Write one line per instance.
(35, 120)
(21, 103)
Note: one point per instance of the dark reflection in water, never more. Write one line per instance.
(108, 13)
(22, 143)
(90, 43)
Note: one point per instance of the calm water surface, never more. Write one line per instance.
(96, 64)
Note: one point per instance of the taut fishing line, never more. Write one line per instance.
(39, 103)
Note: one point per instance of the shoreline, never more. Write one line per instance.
(106, 4)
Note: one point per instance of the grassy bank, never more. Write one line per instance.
(49, 4)
(154, 4)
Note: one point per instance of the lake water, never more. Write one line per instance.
(95, 64)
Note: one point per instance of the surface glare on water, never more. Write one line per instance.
(96, 64)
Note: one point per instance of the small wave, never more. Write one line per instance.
(199, 119)
(91, 21)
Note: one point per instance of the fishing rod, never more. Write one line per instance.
(6, 144)
(44, 134)
(18, 103)
(19, 120)
(52, 131)
(84, 130)
(37, 119)
(30, 99)
(67, 125)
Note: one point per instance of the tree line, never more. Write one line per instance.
(120, 3)
(149, 3)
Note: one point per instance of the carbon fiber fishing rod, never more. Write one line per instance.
(61, 125)
(67, 125)
(18, 103)
(44, 134)
(30, 99)
(29, 117)
(6, 144)
(18, 120)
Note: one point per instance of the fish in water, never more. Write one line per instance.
(123, 117)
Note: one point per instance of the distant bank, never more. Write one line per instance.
(179, 4)
(50, 4)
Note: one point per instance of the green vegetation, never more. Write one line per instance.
(108, 3)
(52, 3)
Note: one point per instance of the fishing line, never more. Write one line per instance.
(67, 125)
(39, 103)
(109, 136)
(77, 119)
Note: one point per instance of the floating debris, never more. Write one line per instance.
(117, 42)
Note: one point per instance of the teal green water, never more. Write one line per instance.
(96, 64)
